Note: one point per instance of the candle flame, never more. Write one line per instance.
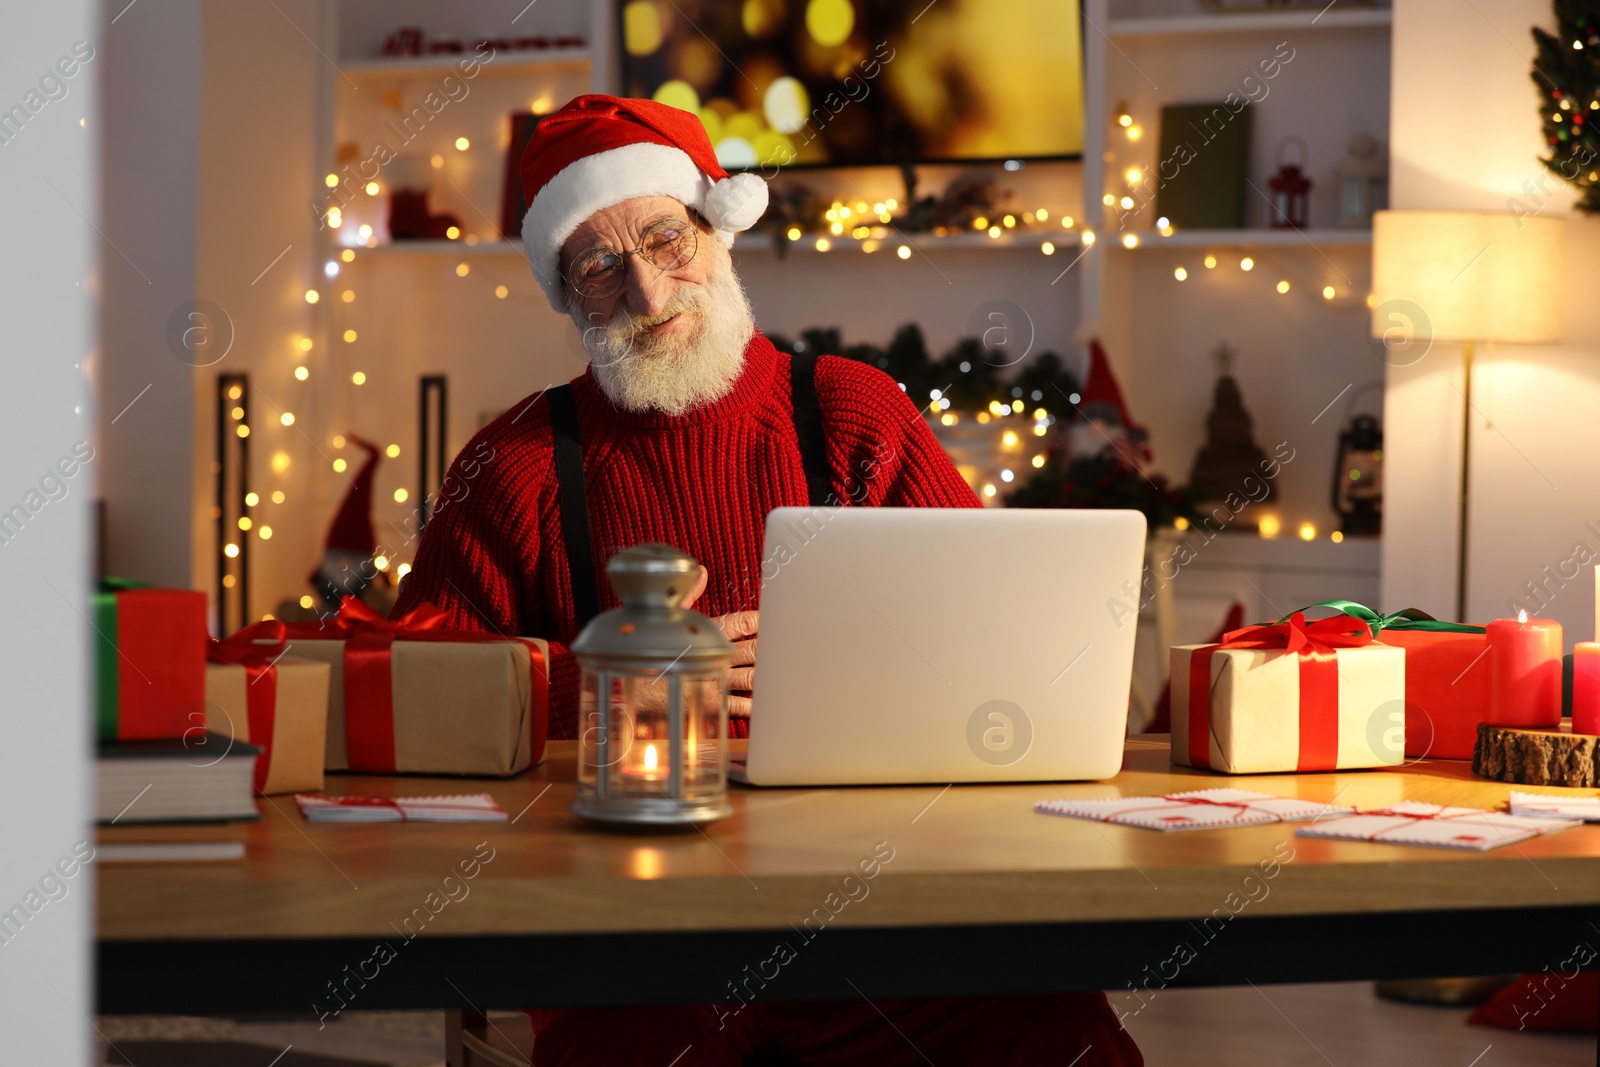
(650, 755)
(1522, 616)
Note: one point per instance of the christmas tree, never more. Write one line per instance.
(1567, 72)
(1230, 457)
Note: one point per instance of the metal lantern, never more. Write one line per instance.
(653, 702)
(1289, 187)
(1358, 478)
(1363, 179)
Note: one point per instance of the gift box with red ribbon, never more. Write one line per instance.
(409, 696)
(150, 661)
(256, 693)
(1289, 696)
(1447, 677)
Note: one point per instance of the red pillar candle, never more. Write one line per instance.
(1525, 672)
(1586, 687)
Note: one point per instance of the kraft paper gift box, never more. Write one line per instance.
(276, 702)
(409, 697)
(150, 661)
(1291, 696)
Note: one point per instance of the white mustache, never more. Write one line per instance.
(681, 370)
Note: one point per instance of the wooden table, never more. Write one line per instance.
(973, 893)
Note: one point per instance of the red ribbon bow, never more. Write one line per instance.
(256, 648)
(368, 689)
(1316, 644)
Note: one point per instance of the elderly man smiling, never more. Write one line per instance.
(688, 427)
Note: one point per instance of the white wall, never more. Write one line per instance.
(147, 399)
(258, 169)
(1466, 135)
(51, 265)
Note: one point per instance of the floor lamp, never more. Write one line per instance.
(1464, 276)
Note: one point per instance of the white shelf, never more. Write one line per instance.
(1251, 22)
(1252, 239)
(516, 61)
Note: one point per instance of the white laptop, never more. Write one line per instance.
(936, 645)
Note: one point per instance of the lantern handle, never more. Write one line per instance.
(1295, 139)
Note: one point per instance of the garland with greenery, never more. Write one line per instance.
(970, 375)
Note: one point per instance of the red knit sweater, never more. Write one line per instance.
(492, 556)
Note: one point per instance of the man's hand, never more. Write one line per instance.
(740, 628)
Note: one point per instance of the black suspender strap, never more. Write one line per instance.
(572, 497)
(808, 426)
(574, 503)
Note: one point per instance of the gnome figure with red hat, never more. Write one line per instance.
(347, 560)
(688, 427)
(1105, 433)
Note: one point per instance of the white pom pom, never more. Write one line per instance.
(736, 202)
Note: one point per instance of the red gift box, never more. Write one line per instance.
(1447, 691)
(150, 662)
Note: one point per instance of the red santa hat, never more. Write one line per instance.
(352, 529)
(1102, 399)
(601, 150)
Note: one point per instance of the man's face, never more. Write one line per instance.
(665, 340)
(651, 297)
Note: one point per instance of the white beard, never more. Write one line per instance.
(673, 374)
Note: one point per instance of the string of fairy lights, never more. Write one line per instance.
(1134, 178)
(866, 226)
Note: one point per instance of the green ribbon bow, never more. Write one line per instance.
(1409, 619)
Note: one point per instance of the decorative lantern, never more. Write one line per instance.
(1363, 180)
(1358, 478)
(1289, 188)
(653, 702)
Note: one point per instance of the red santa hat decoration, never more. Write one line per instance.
(352, 538)
(1101, 403)
(600, 150)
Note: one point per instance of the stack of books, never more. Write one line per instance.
(173, 801)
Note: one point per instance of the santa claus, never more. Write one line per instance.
(688, 427)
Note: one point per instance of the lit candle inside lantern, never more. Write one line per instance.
(1525, 672)
(649, 768)
(1586, 687)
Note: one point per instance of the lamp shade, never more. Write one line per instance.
(1467, 276)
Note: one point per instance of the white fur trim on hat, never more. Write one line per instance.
(736, 202)
(597, 182)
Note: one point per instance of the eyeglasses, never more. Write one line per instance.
(665, 245)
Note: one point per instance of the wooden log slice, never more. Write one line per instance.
(1536, 757)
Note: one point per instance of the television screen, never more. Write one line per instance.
(796, 82)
